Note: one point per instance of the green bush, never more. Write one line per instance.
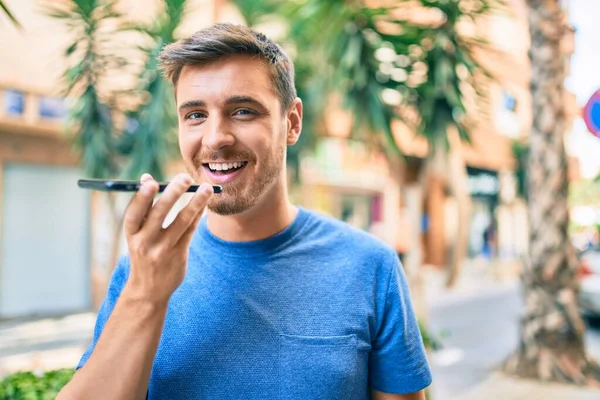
(31, 386)
(430, 341)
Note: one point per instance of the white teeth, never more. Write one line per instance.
(224, 166)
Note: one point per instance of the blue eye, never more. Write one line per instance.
(195, 115)
(245, 111)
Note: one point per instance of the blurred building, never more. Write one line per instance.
(44, 218)
(47, 224)
(498, 226)
(346, 181)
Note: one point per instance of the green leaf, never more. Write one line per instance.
(10, 15)
(26, 385)
(71, 49)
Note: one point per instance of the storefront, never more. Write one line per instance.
(499, 228)
(344, 180)
(484, 187)
(44, 218)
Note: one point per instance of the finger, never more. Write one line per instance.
(190, 214)
(138, 207)
(165, 203)
(146, 177)
(186, 238)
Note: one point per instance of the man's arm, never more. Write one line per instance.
(120, 365)
(121, 361)
(420, 395)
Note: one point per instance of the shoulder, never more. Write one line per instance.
(349, 240)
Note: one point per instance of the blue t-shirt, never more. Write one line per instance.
(318, 311)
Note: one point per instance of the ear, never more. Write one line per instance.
(294, 125)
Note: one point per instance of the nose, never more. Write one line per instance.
(219, 135)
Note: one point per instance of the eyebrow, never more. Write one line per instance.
(191, 104)
(229, 101)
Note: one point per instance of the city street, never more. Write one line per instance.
(480, 331)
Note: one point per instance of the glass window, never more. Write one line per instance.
(510, 102)
(52, 108)
(14, 101)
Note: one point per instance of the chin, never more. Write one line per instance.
(222, 206)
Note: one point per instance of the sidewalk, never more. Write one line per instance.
(501, 387)
(43, 344)
(476, 276)
(481, 279)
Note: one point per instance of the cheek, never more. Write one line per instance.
(189, 146)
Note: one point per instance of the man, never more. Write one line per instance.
(260, 299)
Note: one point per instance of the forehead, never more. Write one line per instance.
(233, 75)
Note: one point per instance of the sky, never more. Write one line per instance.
(585, 80)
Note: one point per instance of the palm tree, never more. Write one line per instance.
(551, 345)
(153, 141)
(443, 116)
(384, 68)
(115, 141)
(9, 14)
(89, 58)
(91, 118)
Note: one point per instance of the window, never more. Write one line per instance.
(509, 101)
(506, 117)
(14, 101)
(52, 108)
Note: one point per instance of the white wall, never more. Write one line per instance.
(44, 264)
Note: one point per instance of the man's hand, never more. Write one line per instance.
(159, 255)
(121, 362)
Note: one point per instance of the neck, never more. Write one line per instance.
(272, 213)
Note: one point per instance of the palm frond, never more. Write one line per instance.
(90, 115)
(10, 15)
(255, 12)
(153, 141)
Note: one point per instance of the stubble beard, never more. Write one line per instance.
(242, 194)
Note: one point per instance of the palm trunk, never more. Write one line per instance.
(413, 260)
(551, 345)
(457, 184)
(434, 182)
(449, 168)
(118, 218)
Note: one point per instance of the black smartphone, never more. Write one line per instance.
(116, 185)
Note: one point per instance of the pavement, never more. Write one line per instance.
(501, 387)
(40, 344)
(478, 325)
(477, 322)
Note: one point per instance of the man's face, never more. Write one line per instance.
(232, 131)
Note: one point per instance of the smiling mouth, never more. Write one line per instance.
(224, 168)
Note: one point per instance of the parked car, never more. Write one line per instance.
(589, 278)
